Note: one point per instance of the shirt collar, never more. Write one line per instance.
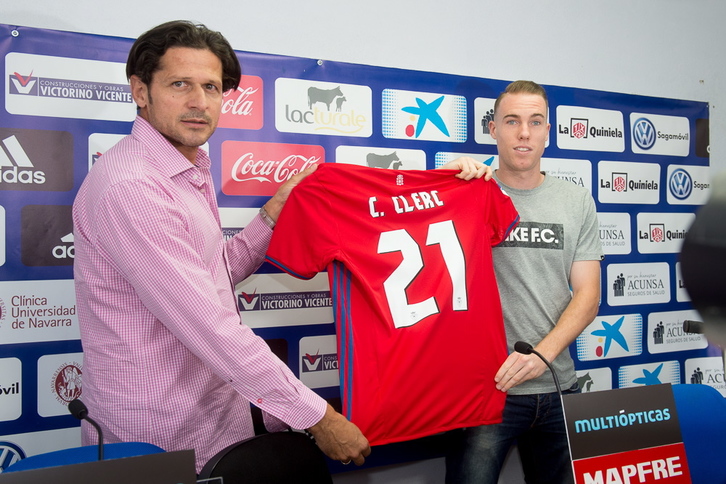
(165, 156)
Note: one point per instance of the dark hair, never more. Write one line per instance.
(146, 53)
(522, 87)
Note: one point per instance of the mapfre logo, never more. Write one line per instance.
(253, 168)
(243, 107)
(35, 160)
(46, 235)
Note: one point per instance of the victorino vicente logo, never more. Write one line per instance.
(258, 169)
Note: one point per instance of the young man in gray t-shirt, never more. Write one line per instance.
(548, 272)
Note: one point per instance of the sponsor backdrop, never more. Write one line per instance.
(65, 100)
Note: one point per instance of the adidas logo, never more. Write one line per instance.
(65, 251)
(15, 165)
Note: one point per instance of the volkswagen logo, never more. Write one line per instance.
(680, 184)
(9, 454)
(644, 133)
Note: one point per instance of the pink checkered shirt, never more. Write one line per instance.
(166, 359)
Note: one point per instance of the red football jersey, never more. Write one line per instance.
(417, 312)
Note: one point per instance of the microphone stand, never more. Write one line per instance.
(79, 410)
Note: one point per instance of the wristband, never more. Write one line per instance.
(266, 218)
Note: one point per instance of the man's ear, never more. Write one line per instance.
(492, 129)
(139, 91)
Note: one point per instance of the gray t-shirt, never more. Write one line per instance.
(558, 225)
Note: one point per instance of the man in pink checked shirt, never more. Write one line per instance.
(166, 358)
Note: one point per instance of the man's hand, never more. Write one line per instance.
(274, 205)
(340, 439)
(518, 368)
(469, 168)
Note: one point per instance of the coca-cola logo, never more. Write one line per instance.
(254, 168)
(242, 108)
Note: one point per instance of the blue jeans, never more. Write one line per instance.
(535, 423)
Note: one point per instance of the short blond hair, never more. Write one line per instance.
(522, 87)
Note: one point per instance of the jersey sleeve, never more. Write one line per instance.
(305, 233)
(503, 217)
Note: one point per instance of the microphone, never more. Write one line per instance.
(78, 409)
(526, 349)
(693, 327)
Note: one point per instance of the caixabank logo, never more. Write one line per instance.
(424, 116)
(649, 374)
(46, 235)
(607, 337)
(35, 160)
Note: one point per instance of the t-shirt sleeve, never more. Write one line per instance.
(503, 217)
(589, 246)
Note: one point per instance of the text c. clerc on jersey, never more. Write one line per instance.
(405, 204)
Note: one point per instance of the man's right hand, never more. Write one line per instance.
(340, 439)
